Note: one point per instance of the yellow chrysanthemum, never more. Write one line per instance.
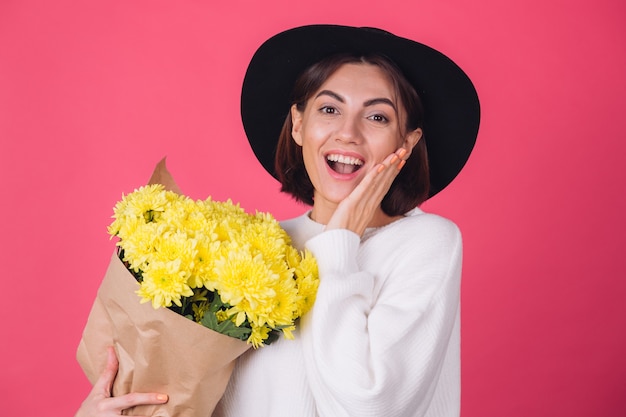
(199, 295)
(176, 212)
(245, 282)
(265, 239)
(148, 202)
(287, 331)
(164, 283)
(292, 256)
(307, 280)
(196, 223)
(258, 335)
(144, 205)
(203, 271)
(176, 245)
(139, 246)
(281, 309)
(199, 310)
(222, 316)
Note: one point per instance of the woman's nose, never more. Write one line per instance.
(349, 131)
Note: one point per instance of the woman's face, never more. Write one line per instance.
(348, 126)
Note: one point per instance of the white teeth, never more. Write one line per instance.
(343, 159)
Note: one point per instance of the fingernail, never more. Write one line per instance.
(401, 152)
(401, 164)
(393, 159)
(381, 168)
(161, 397)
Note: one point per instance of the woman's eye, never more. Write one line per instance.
(378, 118)
(328, 110)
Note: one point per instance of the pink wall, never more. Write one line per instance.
(93, 93)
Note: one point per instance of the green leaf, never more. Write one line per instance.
(226, 327)
(209, 320)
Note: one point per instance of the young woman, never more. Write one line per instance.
(375, 124)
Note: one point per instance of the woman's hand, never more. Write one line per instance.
(99, 402)
(357, 211)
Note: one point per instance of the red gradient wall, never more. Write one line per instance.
(94, 93)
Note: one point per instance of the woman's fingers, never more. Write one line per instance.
(104, 384)
(395, 159)
(136, 398)
(100, 403)
(381, 179)
(95, 406)
(378, 181)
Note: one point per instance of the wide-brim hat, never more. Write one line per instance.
(451, 106)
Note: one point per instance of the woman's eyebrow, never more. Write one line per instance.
(331, 94)
(380, 101)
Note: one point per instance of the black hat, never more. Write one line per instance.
(451, 107)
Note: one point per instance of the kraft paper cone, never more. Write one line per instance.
(158, 350)
(162, 176)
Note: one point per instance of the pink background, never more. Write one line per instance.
(94, 93)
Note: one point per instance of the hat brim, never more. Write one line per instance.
(451, 106)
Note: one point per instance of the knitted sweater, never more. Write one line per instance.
(382, 338)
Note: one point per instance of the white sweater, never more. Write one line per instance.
(382, 338)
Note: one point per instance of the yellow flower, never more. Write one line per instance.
(175, 245)
(199, 295)
(307, 280)
(245, 282)
(139, 244)
(148, 203)
(258, 335)
(203, 271)
(267, 239)
(144, 205)
(280, 311)
(287, 331)
(292, 256)
(199, 309)
(222, 316)
(164, 283)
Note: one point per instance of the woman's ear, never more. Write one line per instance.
(410, 140)
(296, 125)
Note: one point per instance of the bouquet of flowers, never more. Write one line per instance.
(181, 261)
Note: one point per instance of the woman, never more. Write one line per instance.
(383, 336)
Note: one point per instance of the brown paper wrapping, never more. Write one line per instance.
(162, 176)
(158, 350)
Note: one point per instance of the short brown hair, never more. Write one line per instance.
(410, 188)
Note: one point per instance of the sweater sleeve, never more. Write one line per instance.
(375, 341)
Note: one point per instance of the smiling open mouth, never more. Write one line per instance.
(344, 164)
